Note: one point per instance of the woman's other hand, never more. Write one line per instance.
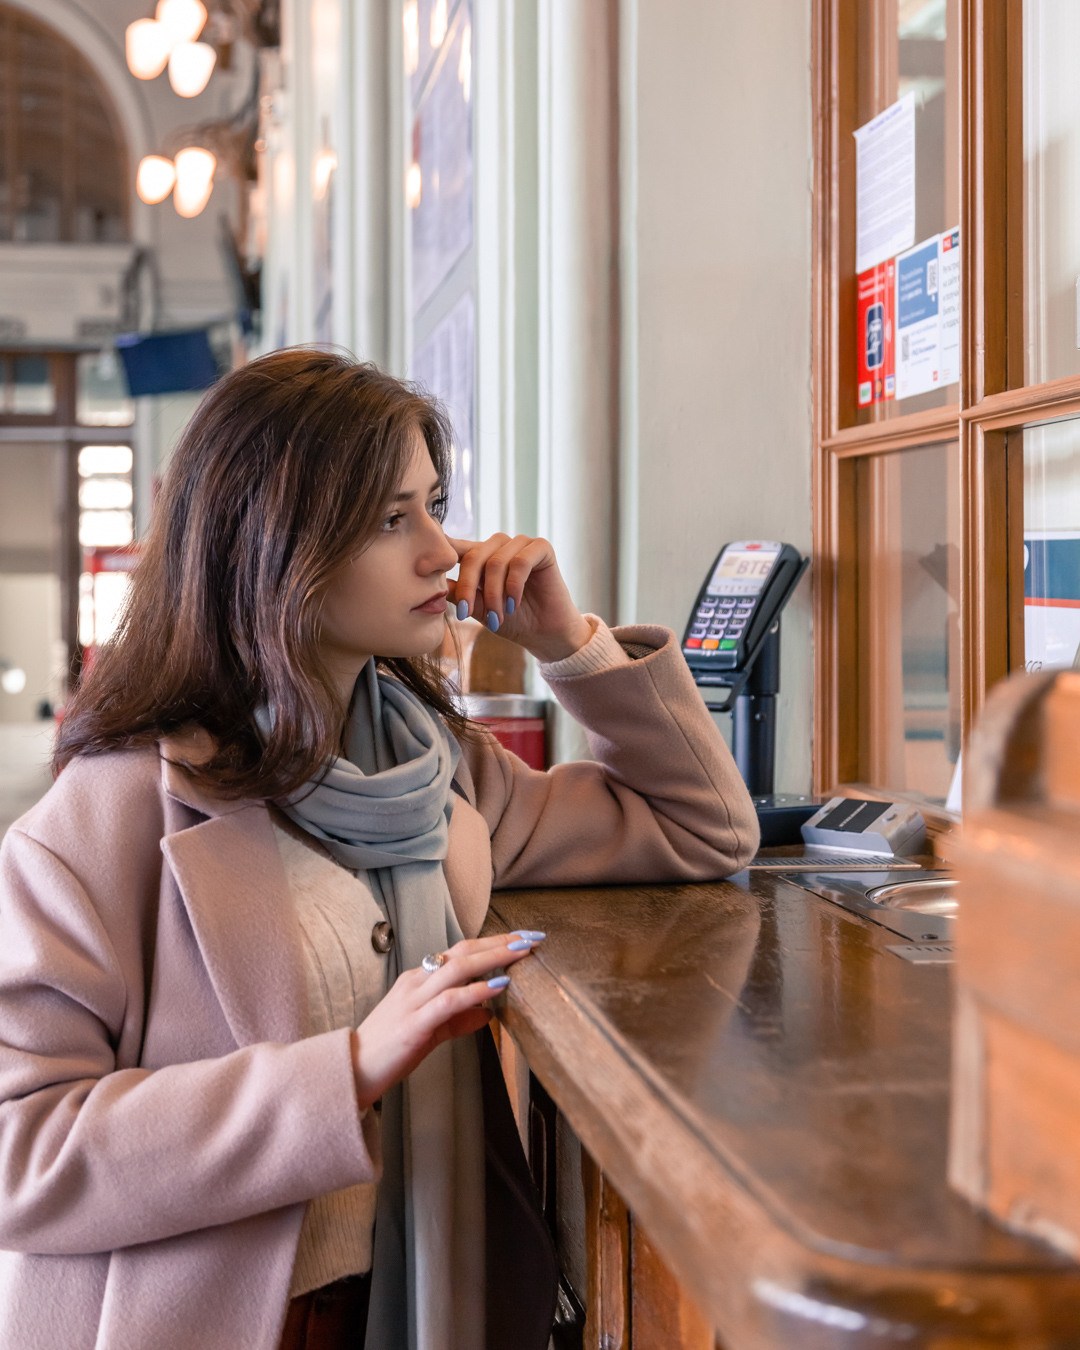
(420, 1011)
(514, 586)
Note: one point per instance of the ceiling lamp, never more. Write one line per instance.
(190, 198)
(146, 45)
(183, 20)
(194, 180)
(190, 66)
(155, 178)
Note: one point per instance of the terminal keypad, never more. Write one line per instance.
(719, 623)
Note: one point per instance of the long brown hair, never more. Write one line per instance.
(281, 477)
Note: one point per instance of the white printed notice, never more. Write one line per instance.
(927, 310)
(885, 184)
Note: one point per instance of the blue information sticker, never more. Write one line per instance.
(917, 285)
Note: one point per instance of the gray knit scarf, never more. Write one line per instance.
(385, 810)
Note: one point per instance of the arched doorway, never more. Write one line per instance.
(64, 170)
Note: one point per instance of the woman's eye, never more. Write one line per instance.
(391, 522)
(438, 508)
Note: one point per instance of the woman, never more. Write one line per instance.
(239, 970)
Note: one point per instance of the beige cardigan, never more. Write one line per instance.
(162, 1118)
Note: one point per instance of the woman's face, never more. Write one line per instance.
(391, 599)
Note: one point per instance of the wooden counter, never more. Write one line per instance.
(767, 1087)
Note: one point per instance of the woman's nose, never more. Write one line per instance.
(439, 555)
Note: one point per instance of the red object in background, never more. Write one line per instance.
(517, 722)
(875, 334)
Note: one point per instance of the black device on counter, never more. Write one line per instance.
(781, 816)
(732, 644)
(739, 601)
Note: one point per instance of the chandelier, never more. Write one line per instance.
(172, 39)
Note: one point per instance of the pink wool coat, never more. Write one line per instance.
(163, 1118)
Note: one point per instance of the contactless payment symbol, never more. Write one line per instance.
(875, 336)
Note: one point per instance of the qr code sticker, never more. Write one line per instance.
(931, 277)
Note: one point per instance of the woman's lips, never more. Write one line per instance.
(435, 605)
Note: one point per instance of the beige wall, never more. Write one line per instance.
(716, 168)
(29, 625)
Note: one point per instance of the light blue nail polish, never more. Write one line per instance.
(498, 982)
(520, 945)
(533, 934)
(492, 621)
(511, 605)
(463, 609)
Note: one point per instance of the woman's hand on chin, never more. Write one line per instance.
(514, 586)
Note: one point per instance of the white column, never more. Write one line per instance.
(578, 315)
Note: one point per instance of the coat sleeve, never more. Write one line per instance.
(95, 1155)
(661, 801)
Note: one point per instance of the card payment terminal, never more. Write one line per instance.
(738, 604)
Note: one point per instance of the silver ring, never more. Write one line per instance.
(432, 962)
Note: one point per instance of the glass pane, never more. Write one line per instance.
(104, 459)
(101, 528)
(105, 494)
(101, 397)
(905, 279)
(1051, 544)
(104, 599)
(439, 181)
(446, 366)
(1051, 189)
(908, 619)
(425, 25)
(32, 388)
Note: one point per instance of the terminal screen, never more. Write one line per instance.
(747, 569)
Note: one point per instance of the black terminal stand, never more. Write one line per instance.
(752, 704)
(753, 718)
(751, 700)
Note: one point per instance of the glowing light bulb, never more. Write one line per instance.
(190, 198)
(190, 66)
(155, 178)
(183, 20)
(195, 164)
(194, 180)
(146, 45)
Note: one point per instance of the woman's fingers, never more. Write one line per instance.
(442, 1014)
(474, 961)
(507, 570)
(420, 1010)
(492, 574)
(473, 556)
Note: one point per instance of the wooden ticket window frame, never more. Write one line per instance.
(994, 402)
(62, 429)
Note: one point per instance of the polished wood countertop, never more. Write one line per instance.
(768, 1088)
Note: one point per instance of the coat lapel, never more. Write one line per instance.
(229, 874)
